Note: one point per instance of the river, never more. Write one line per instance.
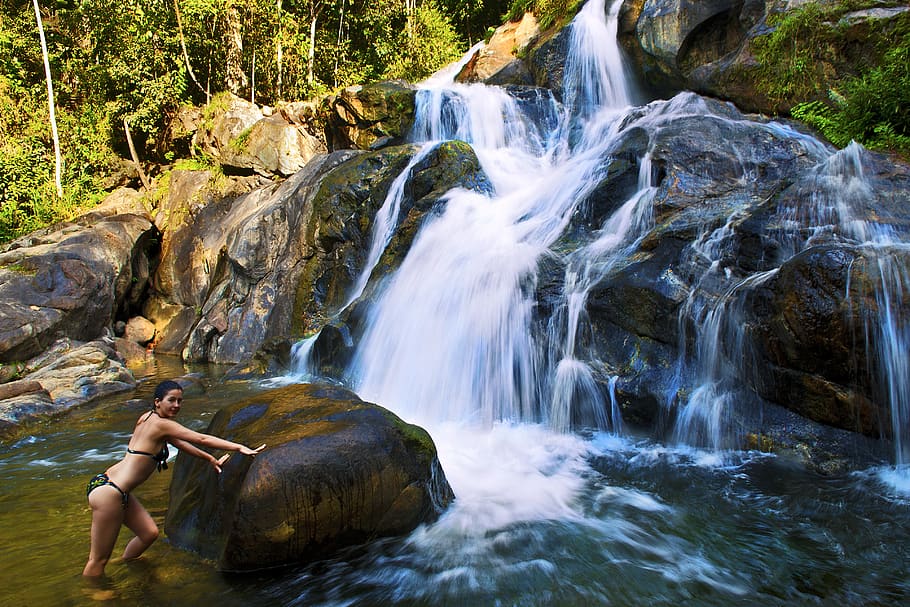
(556, 502)
(560, 519)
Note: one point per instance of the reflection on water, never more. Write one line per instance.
(540, 519)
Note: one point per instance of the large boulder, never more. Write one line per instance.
(370, 116)
(272, 146)
(68, 374)
(336, 472)
(71, 280)
(724, 48)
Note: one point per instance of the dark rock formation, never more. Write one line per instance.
(276, 262)
(336, 472)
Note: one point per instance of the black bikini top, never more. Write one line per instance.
(160, 457)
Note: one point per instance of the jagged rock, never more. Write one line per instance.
(68, 281)
(67, 375)
(336, 472)
(370, 116)
(710, 47)
(499, 61)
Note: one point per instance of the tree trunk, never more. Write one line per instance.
(135, 156)
(279, 53)
(338, 42)
(236, 79)
(186, 56)
(410, 7)
(311, 57)
(50, 103)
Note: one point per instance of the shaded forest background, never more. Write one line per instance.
(115, 63)
(140, 60)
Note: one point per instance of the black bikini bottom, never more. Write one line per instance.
(102, 479)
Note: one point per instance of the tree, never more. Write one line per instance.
(236, 79)
(427, 44)
(50, 102)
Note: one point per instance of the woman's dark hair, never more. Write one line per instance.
(166, 386)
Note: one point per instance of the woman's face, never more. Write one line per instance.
(169, 406)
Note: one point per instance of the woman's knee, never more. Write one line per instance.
(148, 535)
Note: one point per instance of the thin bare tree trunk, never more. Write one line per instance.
(50, 103)
(338, 41)
(236, 79)
(186, 56)
(279, 52)
(134, 155)
(311, 57)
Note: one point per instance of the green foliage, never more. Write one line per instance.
(133, 59)
(869, 108)
(548, 12)
(430, 44)
(791, 54)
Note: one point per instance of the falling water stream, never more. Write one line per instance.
(556, 504)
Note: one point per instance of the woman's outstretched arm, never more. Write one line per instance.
(174, 430)
(195, 451)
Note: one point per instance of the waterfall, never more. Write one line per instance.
(836, 210)
(384, 224)
(833, 211)
(452, 336)
(575, 392)
(459, 333)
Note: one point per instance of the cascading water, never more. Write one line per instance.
(466, 331)
(837, 206)
(466, 348)
(454, 334)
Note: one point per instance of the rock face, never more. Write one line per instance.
(713, 47)
(370, 116)
(337, 471)
(241, 272)
(498, 62)
(71, 280)
(66, 375)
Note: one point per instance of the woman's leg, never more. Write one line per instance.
(143, 525)
(107, 516)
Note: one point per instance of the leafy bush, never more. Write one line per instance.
(548, 12)
(431, 44)
(869, 108)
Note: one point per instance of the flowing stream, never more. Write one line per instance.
(556, 504)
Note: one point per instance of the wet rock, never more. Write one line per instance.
(281, 259)
(336, 472)
(69, 374)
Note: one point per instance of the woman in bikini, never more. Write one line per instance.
(109, 493)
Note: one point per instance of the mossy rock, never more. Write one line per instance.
(337, 472)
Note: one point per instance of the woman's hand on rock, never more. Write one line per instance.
(218, 463)
(251, 452)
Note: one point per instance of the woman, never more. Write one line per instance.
(109, 493)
